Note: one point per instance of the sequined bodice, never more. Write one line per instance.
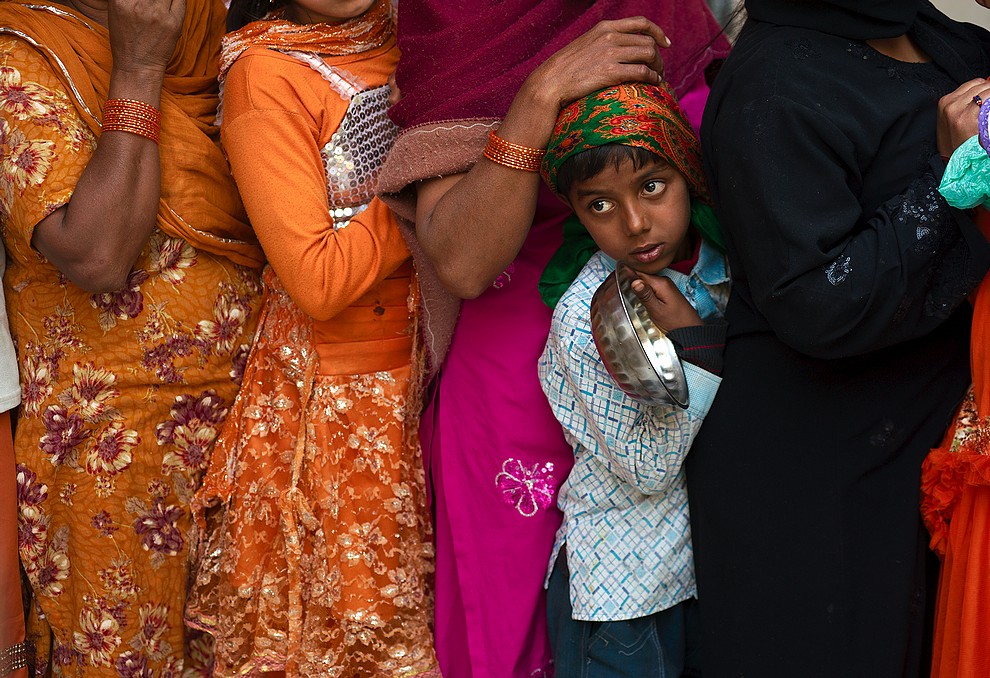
(355, 153)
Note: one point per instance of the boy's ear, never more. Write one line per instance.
(564, 199)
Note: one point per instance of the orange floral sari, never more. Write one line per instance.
(122, 393)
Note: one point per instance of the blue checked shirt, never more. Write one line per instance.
(625, 501)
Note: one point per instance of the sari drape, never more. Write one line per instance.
(199, 201)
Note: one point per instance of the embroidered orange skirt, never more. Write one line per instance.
(315, 553)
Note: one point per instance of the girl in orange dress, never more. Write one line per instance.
(316, 554)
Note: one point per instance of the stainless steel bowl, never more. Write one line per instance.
(637, 354)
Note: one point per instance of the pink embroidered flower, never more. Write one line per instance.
(238, 362)
(187, 410)
(199, 655)
(98, 636)
(161, 357)
(62, 331)
(103, 523)
(169, 256)
(63, 432)
(123, 304)
(63, 655)
(91, 391)
(67, 492)
(527, 489)
(191, 450)
(118, 579)
(112, 452)
(158, 529)
(172, 668)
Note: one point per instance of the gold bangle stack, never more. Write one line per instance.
(513, 155)
(131, 115)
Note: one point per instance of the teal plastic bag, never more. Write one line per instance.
(966, 182)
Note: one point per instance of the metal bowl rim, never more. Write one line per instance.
(637, 326)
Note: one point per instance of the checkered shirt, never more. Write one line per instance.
(625, 502)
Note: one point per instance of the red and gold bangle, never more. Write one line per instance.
(513, 155)
(131, 115)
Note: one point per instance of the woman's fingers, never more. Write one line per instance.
(637, 24)
(958, 113)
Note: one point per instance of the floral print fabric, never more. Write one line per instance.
(123, 394)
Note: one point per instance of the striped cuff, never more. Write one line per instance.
(701, 345)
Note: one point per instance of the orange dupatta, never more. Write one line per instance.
(199, 200)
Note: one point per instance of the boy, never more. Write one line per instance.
(620, 595)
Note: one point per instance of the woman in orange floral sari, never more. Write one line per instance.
(132, 292)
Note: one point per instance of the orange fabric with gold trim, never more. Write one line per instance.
(956, 507)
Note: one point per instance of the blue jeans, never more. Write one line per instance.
(662, 645)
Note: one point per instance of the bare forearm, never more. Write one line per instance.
(96, 238)
(472, 226)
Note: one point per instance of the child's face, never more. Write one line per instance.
(637, 217)
(327, 11)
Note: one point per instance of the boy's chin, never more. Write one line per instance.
(652, 268)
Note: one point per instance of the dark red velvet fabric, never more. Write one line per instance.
(467, 58)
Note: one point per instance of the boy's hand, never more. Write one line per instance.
(664, 303)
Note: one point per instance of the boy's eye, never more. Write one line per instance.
(600, 206)
(653, 187)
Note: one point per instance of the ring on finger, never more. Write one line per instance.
(978, 100)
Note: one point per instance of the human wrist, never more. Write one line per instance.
(531, 118)
(140, 83)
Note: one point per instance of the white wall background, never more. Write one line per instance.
(965, 10)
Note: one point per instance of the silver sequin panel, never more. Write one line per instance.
(354, 156)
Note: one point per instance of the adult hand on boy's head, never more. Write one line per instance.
(664, 303)
(612, 52)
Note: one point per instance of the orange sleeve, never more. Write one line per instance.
(276, 111)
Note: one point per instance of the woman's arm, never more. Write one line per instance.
(95, 239)
(472, 225)
(831, 280)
